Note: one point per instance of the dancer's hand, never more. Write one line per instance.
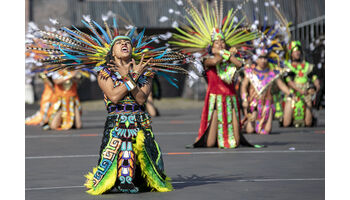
(123, 69)
(233, 51)
(141, 67)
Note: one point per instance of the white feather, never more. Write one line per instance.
(266, 4)
(32, 26)
(129, 27)
(171, 10)
(235, 19)
(258, 52)
(46, 28)
(165, 36)
(87, 18)
(254, 27)
(110, 14)
(266, 18)
(255, 57)
(255, 1)
(104, 17)
(179, 2)
(155, 39)
(53, 21)
(177, 12)
(163, 19)
(239, 7)
(272, 3)
(175, 24)
(256, 43)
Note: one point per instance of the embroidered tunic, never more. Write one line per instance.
(130, 158)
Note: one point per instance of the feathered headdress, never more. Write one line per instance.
(206, 25)
(74, 49)
(273, 40)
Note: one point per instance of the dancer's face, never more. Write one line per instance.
(122, 49)
(262, 61)
(296, 55)
(218, 45)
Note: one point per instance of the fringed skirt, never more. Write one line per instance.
(226, 106)
(130, 158)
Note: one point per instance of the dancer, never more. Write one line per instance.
(65, 112)
(215, 39)
(130, 158)
(305, 85)
(266, 69)
(258, 105)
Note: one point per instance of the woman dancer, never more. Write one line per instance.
(214, 38)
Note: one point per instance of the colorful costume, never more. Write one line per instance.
(130, 159)
(207, 25)
(270, 46)
(40, 117)
(222, 97)
(259, 95)
(303, 78)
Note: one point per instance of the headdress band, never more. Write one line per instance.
(120, 37)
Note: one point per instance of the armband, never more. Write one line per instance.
(225, 54)
(314, 77)
(129, 82)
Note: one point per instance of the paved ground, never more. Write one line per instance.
(291, 167)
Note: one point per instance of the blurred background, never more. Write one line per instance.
(307, 18)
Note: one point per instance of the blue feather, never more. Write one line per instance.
(103, 32)
(132, 32)
(139, 38)
(68, 55)
(158, 49)
(87, 25)
(145, 43)
(160, 56)
(170, 79)
(115, 25)
(265, 22)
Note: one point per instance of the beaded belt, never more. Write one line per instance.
(125, 108)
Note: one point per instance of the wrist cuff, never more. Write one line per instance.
(225, 54)
(129, 82)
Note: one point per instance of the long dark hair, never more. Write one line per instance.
(109, 56)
